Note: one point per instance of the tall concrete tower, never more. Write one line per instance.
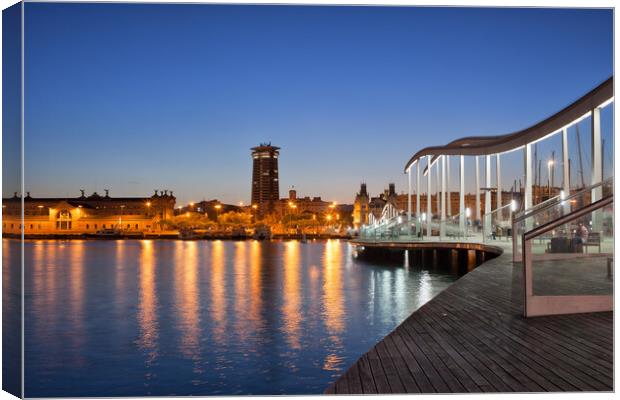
(265, 183)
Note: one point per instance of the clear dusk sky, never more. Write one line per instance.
(137, 97)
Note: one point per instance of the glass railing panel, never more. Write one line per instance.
(568, 263)
(572, 259)
(555, 209)
(497, 225)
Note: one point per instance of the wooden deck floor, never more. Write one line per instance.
(473, 338)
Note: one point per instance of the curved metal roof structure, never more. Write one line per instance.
(485, 145)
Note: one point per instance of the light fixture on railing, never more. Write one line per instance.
(468, 212)
(423, 216)
(513, 205)
(400, 220)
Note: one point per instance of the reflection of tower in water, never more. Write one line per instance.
(291, 308)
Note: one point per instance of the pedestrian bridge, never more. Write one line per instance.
(549, 229)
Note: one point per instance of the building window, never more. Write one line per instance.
(136, 226)
(103, 226)
(95, 226)
(31, 226)
(128, 226)
(63, 220)
(87, 226)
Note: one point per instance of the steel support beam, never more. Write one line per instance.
(597, 166)
(429, 215)
(448, 192)
(409, 197)
(486, 224)
(417, 192)
(477, 208)
(498, 177)
(527, 188)
(462, 195)
(438, 198)
(565, 171)
(442, 225)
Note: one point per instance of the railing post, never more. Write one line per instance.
(528, 291)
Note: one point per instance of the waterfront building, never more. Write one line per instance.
(295, 204)
(211, 208)
(361, 207)
(265, 182)
(86, 214)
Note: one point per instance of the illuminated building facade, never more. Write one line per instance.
(265, 182)
(87, 214)
(361, 207)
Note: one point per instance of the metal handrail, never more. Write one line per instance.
(539, 230)
(523, 213)
(496, 210)
(537, 209)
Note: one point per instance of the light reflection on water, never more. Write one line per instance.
(198, 317)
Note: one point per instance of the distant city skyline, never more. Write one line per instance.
(136, 97)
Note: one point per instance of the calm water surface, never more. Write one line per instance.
(147, 317)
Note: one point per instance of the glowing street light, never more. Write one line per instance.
(513, 205)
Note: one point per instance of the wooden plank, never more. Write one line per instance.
(443, 381)
(472, 338)
(567, 365)
(378, 374)
(402, 362)
(389, 368)
(366, 378)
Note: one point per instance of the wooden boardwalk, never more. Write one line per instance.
(472, 338)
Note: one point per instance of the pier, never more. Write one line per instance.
(536, 312)
(473, 337)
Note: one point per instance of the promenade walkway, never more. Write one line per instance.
(472, 337)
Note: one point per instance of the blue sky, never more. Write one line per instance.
(137, 97)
